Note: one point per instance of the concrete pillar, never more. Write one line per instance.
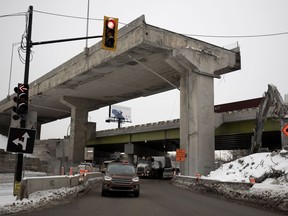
(198, 66)
(78, 133)
(197, 123)
(79, 125)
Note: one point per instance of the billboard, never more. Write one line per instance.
(120, 112)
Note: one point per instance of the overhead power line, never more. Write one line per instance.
(11, 15)
(239, 36)
(188, 34)
(67, 16)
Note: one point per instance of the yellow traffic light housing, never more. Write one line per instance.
(110, 33)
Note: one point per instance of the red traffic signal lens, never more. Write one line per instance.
(111, 23)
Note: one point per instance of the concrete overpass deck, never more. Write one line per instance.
(98, 78)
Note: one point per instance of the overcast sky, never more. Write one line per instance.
(264, 58)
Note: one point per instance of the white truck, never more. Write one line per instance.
(155, 167)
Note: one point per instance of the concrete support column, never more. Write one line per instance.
(197, 123)
(198, 66)
(79, 126)
(78, 133)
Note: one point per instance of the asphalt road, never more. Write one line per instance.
(157, 198)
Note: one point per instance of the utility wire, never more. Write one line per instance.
(189, 34)
(67, 16)
(192, 35)
(239, 36)
(125, 24)
(11, 15)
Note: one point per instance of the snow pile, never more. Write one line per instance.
(260, 166)
(270, 170)
(43, 198)
(3, 142)
(40, 199)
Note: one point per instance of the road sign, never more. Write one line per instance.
(180, 154)
(21, 140)
(285, 130)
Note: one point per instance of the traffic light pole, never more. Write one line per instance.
(19, 163)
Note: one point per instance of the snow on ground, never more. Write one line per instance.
(270, 171)
(260, 165)
(9, 204)
(3, 142)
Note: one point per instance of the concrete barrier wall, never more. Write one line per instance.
(92, 175)
(74, 181)
(32, 184)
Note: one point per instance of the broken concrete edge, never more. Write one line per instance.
(232, 191)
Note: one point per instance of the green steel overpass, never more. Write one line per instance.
(234, 128)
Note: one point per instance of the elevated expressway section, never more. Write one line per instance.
(148, 60)
(234, 127)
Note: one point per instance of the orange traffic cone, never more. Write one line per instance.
(252, 180)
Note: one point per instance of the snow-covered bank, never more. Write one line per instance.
(9, 204)
(260, 166)
(270, 170)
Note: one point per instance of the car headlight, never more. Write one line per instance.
(136, 179)
(107, 178)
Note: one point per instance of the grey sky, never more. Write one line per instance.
(264, 59)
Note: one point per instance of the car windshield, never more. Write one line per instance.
(143, 161)
(121, 169)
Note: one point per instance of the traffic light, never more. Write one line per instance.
(15, 115)
(21, 100)
(110, 33)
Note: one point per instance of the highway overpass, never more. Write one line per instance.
(148, 60)
(234, 127)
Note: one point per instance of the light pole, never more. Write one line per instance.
(11, 67)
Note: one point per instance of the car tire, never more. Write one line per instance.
(104, 193)
(136, 194)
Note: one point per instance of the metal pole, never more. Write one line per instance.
(64, 40)
(87, 26)
(119, 122)
(19, 163)
(28, 46)
(11, 65)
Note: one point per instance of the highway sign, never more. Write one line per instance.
(285, 130)
(21, 140)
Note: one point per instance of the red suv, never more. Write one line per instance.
(120, 177)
